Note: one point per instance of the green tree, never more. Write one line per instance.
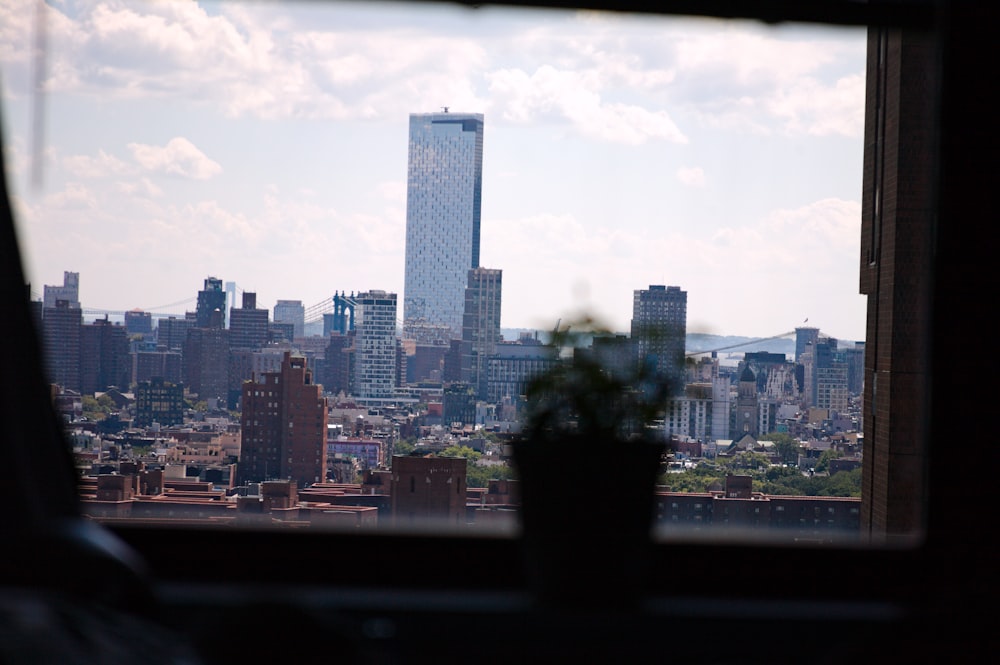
(787, 446)
(96, 409)
(403, 447)
(824, 459)
(480, 476)
(461, 451)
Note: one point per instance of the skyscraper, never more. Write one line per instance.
(659, 329)
(481, 326)
(61, 341)
(211, 310)
(803, 338)
(375, 346)
(443, 201)
(291, 311)
(248, 325)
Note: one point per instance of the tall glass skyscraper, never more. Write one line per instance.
(443, 200)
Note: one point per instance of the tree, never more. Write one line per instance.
(824, 459)
(787, 446)
(461, 451)
(403, 447)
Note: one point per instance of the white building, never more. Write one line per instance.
(443, 201)
(375, 346)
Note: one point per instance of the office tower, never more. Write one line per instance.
(375, 346)
(69, 291)
(205, 364)
(659, 327)
(283, 426)
(248, 325)
(443, 201)
(514, 364)
(481, 326)
(171, 332)
(138, 322)
(149, 365)
(291, 311)
(211, 310)
(61, 343)
(803, 338)
(104, 357)
(338, 360)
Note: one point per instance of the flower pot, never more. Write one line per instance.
(586, 516)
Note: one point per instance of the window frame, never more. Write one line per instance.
(952, 556)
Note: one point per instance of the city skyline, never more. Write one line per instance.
(263, 145)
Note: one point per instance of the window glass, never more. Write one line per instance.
(234, 214)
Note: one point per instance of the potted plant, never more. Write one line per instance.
(587, 458)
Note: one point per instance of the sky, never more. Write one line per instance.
(266, 144)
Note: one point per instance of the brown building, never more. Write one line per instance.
(283, 426)
(104, 357)
(898, 224)
(428, 489)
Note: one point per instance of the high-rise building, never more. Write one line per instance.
(248, 325)
(138, 322)
(443, 202)
(104, 357)
(283, 426)
(61, 342)
(659, 327)
(205, 364)
(291, 311)
(481, 327)
(171, 332)
(69, 291)
(211, 310)
(375, 346)
(803, 338)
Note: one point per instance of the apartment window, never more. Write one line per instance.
(715, 147)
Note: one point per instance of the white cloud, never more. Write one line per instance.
(692, 176)
(103, 165)
(178, 157)
(551, 93)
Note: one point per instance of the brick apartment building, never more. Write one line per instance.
(283, 426)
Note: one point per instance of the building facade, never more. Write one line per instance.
(291, 311)
(69, 291)
(211, 309)
(248, 325)
(443, 203)
(283, 425)
(659, 327)
(61, 330)
(481, 326)
(375, 346)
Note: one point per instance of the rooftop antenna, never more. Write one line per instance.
(445, 108)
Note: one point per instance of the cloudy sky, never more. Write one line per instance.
(267, 145)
